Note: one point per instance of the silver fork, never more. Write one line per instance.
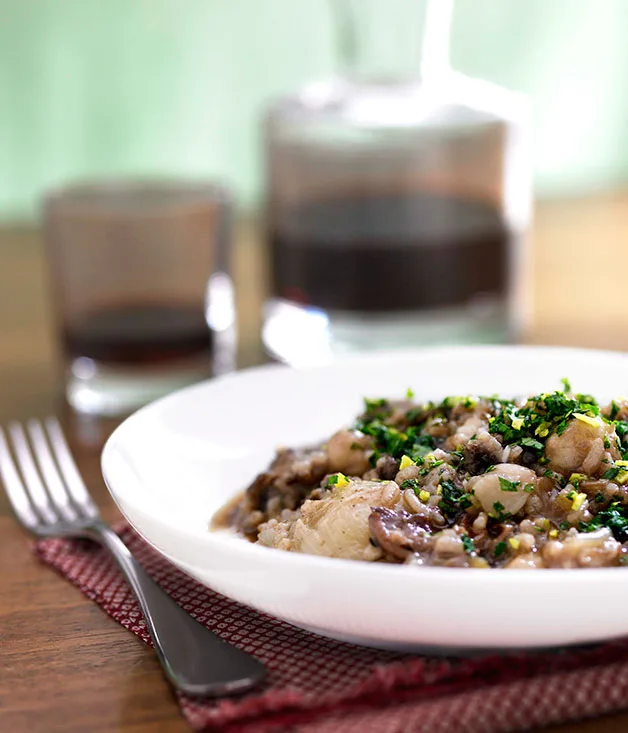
(50, 499)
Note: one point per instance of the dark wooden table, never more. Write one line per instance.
(64, 665)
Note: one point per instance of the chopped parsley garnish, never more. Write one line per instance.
(421, 445)
(390, 441)
(414, 413)
(457, 455)
(542, 415)
(531, 443)
(588, 399)
(468, 545)
(566, 385)
(599, 498)
(621, 428)
(615, 518)
(611, 473)
(500, 549)
(411, 483)
(564, 525)
(506, 485)
(453, 499)
(370, 405)
(528, 488)
(409, 393)
(429, 465)
(449, 402)
(614, 410)
(387, 440)
(499, 514)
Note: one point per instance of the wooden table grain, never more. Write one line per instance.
(64, 665)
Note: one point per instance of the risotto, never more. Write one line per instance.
(475, 482)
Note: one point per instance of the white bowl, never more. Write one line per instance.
(171, 465)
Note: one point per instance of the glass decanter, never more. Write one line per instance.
(398, 195)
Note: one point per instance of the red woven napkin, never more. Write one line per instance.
(316, 685)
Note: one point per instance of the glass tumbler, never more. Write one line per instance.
(142, 291)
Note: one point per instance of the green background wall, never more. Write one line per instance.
(109, 87)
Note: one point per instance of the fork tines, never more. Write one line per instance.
(41, 479)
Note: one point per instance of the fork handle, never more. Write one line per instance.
(194, 659)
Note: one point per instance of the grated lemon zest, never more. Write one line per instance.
(622, 477)
(553, 533)
(517, 423)
(514, 543)
(579, 500)
(577, 477)
(594, 421)
(341, 481)
(621, 463)
(424, 495)
(406, 462)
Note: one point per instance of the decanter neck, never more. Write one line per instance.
(384, 41)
